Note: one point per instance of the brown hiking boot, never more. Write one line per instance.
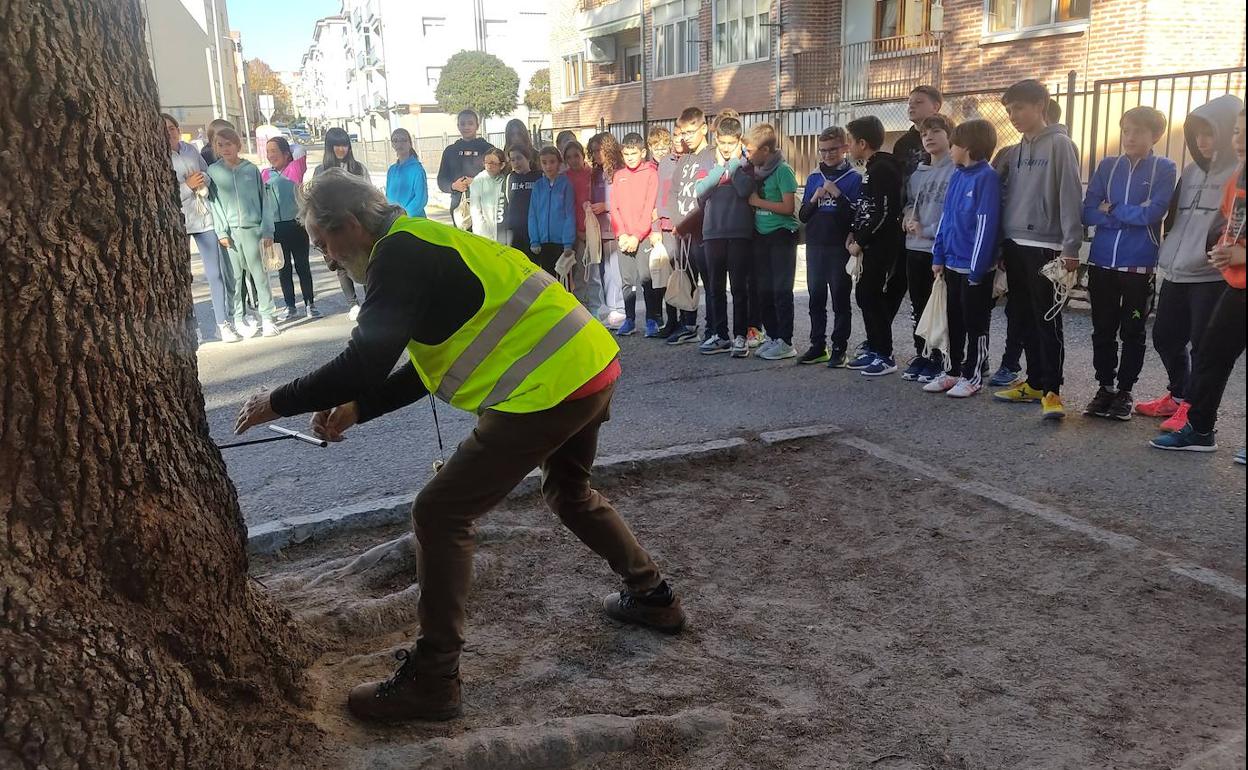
(408, 695)
(659, 608)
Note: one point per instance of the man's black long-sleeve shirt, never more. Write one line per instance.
(416, 291)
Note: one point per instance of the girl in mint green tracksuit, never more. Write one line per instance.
(244, 220)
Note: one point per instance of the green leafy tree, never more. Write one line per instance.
(262, 79)
(537, 95)
(476, 80)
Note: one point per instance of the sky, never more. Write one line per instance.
(278, 31)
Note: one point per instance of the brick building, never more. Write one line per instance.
(610, 56)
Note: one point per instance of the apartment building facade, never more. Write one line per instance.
(195, 61)
(612, 58)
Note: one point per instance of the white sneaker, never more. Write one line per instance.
(778, 351)
(740, 348)
(615, 319)
(245, 327)
(964, 389)
(940, 384)
(354, 312)
(227, 333)
(312, 311)
(766, 345)
(269, 329)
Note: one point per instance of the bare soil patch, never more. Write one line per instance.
(843, 615)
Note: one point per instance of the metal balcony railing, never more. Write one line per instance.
(873, 70)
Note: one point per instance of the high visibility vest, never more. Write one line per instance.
(529, 346)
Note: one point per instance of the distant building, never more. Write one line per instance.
(195, 61)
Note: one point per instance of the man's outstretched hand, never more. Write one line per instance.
(332, 423)
(257, 411)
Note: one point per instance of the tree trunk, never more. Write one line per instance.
(130, 636)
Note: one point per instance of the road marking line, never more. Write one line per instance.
(1204, 575)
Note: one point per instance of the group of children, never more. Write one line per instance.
(945, 209)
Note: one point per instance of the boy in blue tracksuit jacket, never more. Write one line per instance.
(827, 210)
(965, 253)
(552, 224)
(1126, 202)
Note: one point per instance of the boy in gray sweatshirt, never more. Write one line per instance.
(1042, 219)
(925, 201)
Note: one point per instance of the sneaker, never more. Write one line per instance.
(1120, 407)
(1177, 420)
(1186, 439)
(227, 333)
(1163, 406)
(682, 335)
(1019, 394)
(837, 359)
(941, 384)
(767, 344)
(754, 338)
(246, 328)
(778, 351)
(963, 388)
(880, 367)
(658, 608)
(312, 311)
(668, 330)
(408, 695)
(289, 314)
(354, 312)
(716, 344)
(1004, 377)
(933, 371)
(626, 329)
(1240, 458)
(864, 359)
(269, 329)
(917, 366)
(740, 347)
(1051, 407)
(814, 356)
(1099, 405)
(652, 328)
(615, 320)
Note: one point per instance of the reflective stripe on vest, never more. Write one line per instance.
(558, 336)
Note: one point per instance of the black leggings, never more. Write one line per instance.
(1183, 311)
(294, 241)
(1221, 346)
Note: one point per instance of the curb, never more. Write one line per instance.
(270, 537)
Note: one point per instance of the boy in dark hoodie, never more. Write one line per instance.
(462, 159)
(1190, 286)
(1042, 220)
(828, 210)
(727, 227)
(878, 238)
(695, 163)
(924, 102)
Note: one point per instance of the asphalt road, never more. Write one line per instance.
(1102, 471)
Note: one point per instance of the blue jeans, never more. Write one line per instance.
(210, 254)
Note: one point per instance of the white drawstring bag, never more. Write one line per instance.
(854, 266)
(660, 265)
(463, 214)
(593, 238)
(1063, 281)
(273, 257)
(934, 323)
(1000, 285)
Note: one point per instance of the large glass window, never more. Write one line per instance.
(1019, 15)
(741, 31)
(675, 29)
(897, 18)
(574, 74)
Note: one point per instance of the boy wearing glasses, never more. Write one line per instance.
(828, 210)
(695, 163)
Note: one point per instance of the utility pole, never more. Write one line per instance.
(216, 47)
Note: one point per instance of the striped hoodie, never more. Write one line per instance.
(970, 225)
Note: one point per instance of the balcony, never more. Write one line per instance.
(367, 60)
(874, 70)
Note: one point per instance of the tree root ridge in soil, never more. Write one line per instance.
(557, 743)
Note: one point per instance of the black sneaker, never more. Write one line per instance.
(659, 608)
(837, 359)
(814, 355)
(1100, 403)
(1121, 406)
(668, 330)
(917, 366)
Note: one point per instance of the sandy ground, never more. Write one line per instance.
(844, 614)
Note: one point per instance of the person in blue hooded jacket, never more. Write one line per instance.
(552, 223)
(407, 184)
(965, 253)
(1126, 202)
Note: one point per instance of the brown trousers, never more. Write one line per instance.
(501, 451)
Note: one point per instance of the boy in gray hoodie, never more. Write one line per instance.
(1042, 219)
(925, 201)
(1191, 286)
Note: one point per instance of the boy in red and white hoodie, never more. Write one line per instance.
(634, 192)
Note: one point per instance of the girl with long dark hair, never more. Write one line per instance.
(338, 154)
(607, 157)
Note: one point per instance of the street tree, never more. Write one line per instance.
(262, 79)
(130, 634)
(476, 80)
(537, 95)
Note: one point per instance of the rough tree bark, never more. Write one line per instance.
(130, 636)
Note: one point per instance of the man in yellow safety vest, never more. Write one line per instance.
(490, 332)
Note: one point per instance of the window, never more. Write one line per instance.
(897, 18)
(433, 25)
(432, 76)
(632, 65)
(574, 75)
(741, 31)
(1019, 15)
(675, 29)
